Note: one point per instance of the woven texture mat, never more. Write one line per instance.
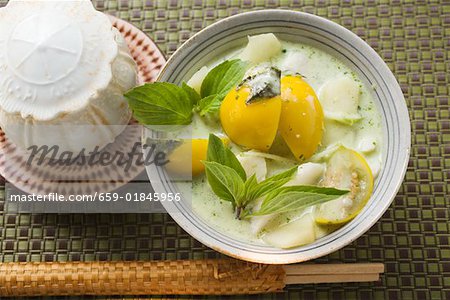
(412, 239)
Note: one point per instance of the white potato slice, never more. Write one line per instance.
(325, 154)
(340, 99)
(253, 165)
(324, 230)
(335, 131)
(260, 48)
(345, 118)
(257, 223)
(367, 145)
(270, 156)
(197, 79)
(296, 233)
(293, 63)
(321, 231)
(307, 174)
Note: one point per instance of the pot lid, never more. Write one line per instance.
(54, 56)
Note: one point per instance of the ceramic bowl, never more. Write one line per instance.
(221, 37)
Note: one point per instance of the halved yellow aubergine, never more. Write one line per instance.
(346, 169)
(301, 120)
(252, 125)
(194, 148)
(296, 114)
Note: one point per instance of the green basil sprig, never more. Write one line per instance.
(163, 103)
(285, 199)
(227, 179)
(217, 152)
(219, 81)
(224, 181)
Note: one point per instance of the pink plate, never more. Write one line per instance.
(147, 55)
(41, 180)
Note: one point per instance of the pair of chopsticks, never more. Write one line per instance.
(332, 273)
(180, 277)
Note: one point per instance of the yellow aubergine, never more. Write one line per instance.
(301, 121)
(253, 125)
(346, 169)
(197, 149)
(296, 114)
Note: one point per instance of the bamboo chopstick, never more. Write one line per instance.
(188, 277)
(335, 278)
(323, 269)
(329, 273)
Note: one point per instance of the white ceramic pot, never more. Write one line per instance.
(63, 72)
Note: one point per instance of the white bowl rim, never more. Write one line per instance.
(338, 243)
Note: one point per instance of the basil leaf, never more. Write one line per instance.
(305, 188)
(224, 181)
(194, 97)
(250, 185)
(219, 153)
(223, 78)
(161, 103)
(219, 81)
(209, 104)
(313, 189)
(296, 197)
(270, 184)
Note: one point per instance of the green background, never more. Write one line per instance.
(411, 239)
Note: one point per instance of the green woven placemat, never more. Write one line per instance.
(412, 238)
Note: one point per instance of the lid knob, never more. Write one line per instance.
(38, 42)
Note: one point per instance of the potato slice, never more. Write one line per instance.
(260, 48)
(340, 99)
(324, 230)
(294, 234)
(307, 174)
(253, 165)
(367, 145)
(326, 153)
(257, 223)
(337, 131)
(294, 63)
